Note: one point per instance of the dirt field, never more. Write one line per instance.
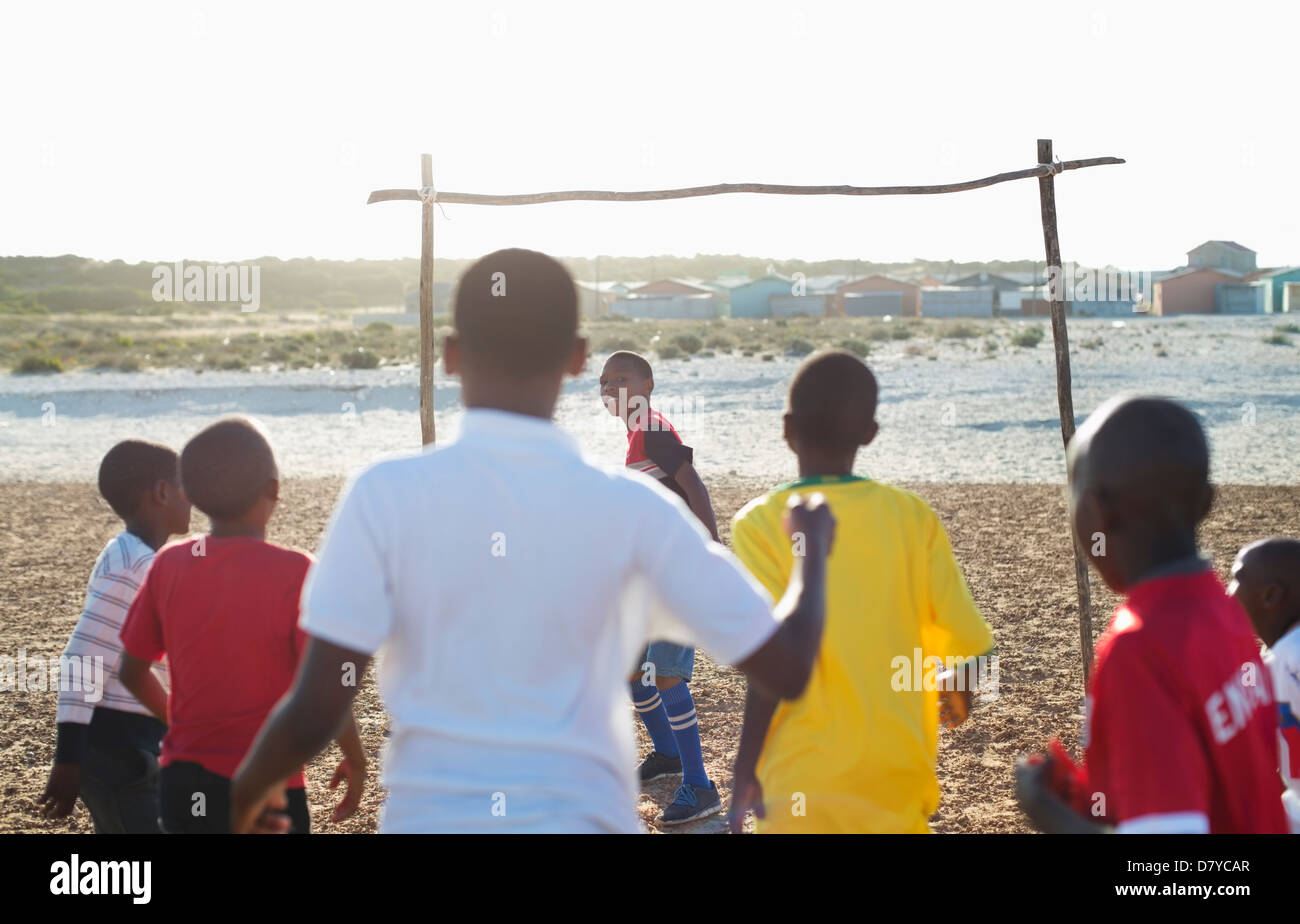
(1010, 540)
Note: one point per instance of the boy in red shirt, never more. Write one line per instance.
(224, 609)
(661, 694)
(1180, 729)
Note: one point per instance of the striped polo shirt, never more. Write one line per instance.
(118, 573)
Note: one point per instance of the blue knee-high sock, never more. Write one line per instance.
(649, 705)
(686, 728)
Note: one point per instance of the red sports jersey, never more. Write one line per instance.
(227, 618)
(655, 449)
(1181, 723)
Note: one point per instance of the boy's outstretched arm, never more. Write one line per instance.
(697, 497)
(309, 716)
(746, 793)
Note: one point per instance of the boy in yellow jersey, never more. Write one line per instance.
(856, 752)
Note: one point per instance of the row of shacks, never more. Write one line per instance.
(1219, 277)
(778, 296)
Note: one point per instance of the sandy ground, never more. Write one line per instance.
(1009, 539)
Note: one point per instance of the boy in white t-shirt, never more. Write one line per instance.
(1266, 582)
(500, 578)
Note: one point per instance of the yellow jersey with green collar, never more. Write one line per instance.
(856, 752)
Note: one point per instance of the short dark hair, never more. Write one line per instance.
(227, 466)
(1152, 449)
(635, 360)
(517, 310)
(832, 401)
(130, 469)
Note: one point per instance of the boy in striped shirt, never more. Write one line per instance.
(107, 750)
(659, 683)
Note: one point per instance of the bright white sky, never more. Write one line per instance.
(225, 131)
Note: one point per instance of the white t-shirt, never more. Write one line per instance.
(511, 587)
(1283, 661)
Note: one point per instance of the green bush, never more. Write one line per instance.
(129, 364)
(768, 358)
(360, 359)
(232, 364)
(1277, 340)
(901, 332)
(670, 351)
(799, 347)
(1289, 327)
(960, 330)
(1028, 337)
(725, 344)
(859, 348)
(375, 327)
(38, 365)
(688, 343)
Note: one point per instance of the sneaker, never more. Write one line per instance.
(658, 765)
(692, 803)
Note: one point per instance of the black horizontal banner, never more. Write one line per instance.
(132, 874)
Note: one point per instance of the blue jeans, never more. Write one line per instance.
(669, 660)
(119, 785)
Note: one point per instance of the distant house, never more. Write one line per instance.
(1239, 298)
(869, 296)
(667, 306)
(1274, 283)
(1189, 290)
(789, 306)
(660, 287)
(1222, 255)
(667, 298)
(959, 302)
(824, 285)
(752, 299)
(984, 280)
(594, 298)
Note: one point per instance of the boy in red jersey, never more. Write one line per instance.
(224, 609)
(1180, 728)
(660, 682)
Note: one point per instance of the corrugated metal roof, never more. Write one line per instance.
(1189, 270)
(849, 285)
(1271, 271)
(1233, 244)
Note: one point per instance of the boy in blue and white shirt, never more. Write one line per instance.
(108, 741)
(1266, 582)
